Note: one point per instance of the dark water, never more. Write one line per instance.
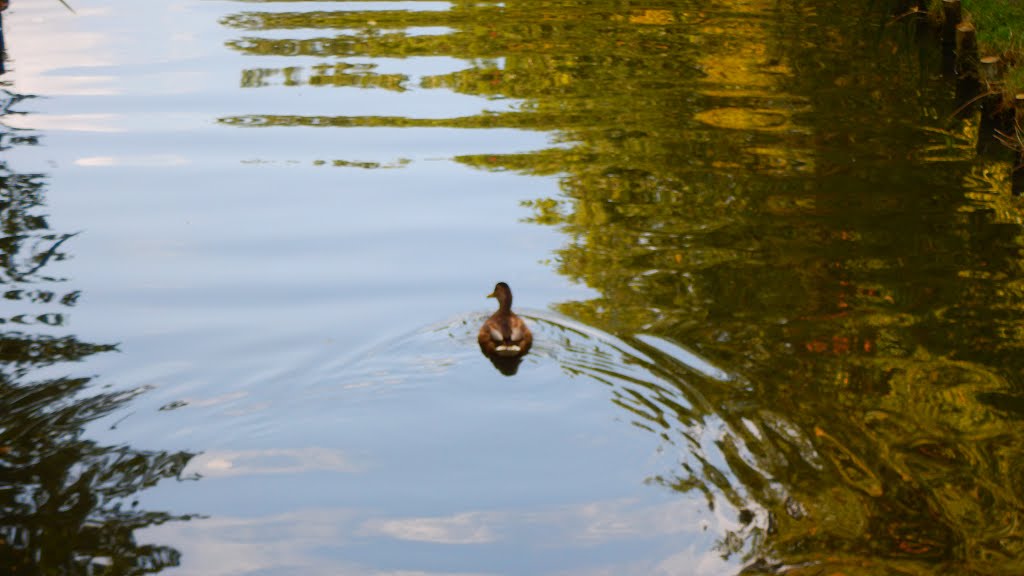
(775, 288)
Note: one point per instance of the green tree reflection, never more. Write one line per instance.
(775, 187)
(66, 502)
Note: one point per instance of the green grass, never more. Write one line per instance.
(1000, 24)
(1015, 77)
(1000, 29)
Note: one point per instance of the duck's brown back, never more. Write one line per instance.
(505, 334)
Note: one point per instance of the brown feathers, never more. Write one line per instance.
(504, 334)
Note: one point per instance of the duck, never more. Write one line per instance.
(504, 335)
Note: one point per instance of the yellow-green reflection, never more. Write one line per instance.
(778, 189)
(67, 503)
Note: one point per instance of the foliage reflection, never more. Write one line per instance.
(67, 503)
(778, 188)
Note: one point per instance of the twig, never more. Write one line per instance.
(68, 6)
(1014, 141)
(972, 101)
(899, 17)
(1011, 142)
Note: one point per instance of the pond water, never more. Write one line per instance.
(775, 287)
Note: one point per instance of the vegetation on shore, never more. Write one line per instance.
(1000, 25)
(997, 26)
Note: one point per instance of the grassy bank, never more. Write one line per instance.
(1000, 27)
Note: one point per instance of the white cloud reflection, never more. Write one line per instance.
(289, 543)
(224, 463)
(466, 528)
(155, 160)
(66, 122)
(674, 537)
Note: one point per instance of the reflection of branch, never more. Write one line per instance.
(68, 6)
(10, 99)
(44, 259)
(58, 482)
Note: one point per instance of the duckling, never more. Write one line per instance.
(504, 334)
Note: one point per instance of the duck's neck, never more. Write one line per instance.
(505, 303)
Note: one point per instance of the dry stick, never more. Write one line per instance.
(66, 5)
(1011, 141)
(972, 101)
(912, 12)
(908, 8)
(950, 18)
(1015, 141)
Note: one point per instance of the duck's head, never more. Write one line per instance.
(504, 295)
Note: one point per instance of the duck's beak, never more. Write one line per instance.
(491, 295)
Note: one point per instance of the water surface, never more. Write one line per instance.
(776, 292)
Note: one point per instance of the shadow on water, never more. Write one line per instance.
(68, 505)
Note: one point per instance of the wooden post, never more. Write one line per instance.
(966, 50)
(950, 18)
(996, 117)
(1017, 175)
(992, 118)
(989, 69)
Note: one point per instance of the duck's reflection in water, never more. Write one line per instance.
(507, 366)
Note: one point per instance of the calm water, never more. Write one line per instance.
(777, 293)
